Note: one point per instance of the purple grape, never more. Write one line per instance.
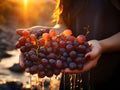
(38, 34)
(41, 55)
(32, 51)
(52, 62)
(63, 58)
(65, 54)
(45, 30)
(56, 71)
(49, 73)
(34, 69)
(41, 74)
(49, 49)
(65, 65)
(72, 66)
(26, 55)
(59, 64)
(76, 43)
(78, 60)
(33, 57)
(69, 47)
(80, 55)
(87, 50)
(68, 42)
(23, 49)
(48, 66)
(81, 49)
(80, 66)
(56, 50)
(40, 67)
(86, 44)
(44, 61)
(73, 54)
(42, 49)
(28, 46)
(55, 44)
(69, 60)
(52, 56)
(28, 64)
(62, 50)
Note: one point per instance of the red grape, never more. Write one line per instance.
(67, 32)
(45, 36)
(52, 33)
(81, 39)
(20, 31)
(26, 33)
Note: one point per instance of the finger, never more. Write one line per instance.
(21, 60)
(91, 55)
(39, 28)
(67, 70)
(89, 65)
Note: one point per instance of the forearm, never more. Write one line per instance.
(111, 44)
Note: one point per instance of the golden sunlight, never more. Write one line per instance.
(25, 11)
(34, 12)
(25, 4)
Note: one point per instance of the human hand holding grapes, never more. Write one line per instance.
(92, 58)
(46, 53)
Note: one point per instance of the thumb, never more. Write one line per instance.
(90, 55)
(21, 60)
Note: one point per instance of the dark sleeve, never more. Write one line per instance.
(116, 3)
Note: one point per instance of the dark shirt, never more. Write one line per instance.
(104, 21)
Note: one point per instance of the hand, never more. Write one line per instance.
(92, 56)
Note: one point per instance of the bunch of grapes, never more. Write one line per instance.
(47, 53)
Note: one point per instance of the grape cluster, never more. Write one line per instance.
(47, 53)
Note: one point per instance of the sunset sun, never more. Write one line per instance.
(25, 4)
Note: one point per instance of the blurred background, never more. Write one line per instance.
(16, 14)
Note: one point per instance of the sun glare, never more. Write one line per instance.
(25, 1)
(25, 11)
(33, 11)
(25, 5)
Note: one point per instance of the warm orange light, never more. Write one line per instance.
(31, 12)
(58, 11)
(25, 5)
(25, 1)
(25, 12)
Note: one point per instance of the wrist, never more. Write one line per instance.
(111, 44)
(96, 45)
(103, 46)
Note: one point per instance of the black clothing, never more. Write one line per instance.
(104, 21)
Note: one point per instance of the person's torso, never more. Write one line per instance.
(103, 18)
